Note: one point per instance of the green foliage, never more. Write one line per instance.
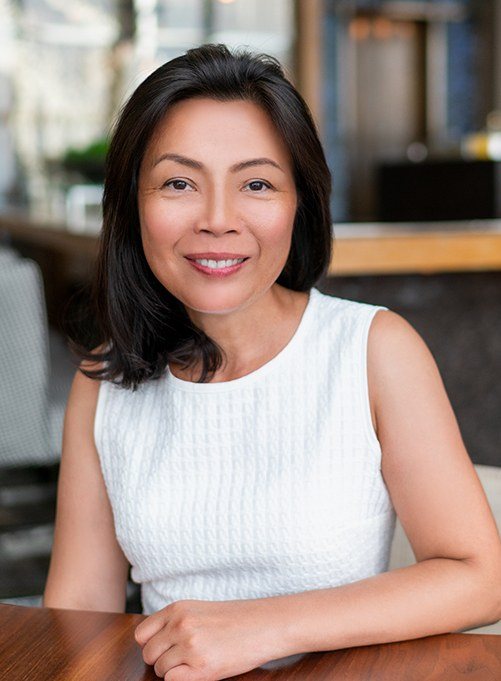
(88, 162)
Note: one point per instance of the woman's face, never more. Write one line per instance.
(216, 179)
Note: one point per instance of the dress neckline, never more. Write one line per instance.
(257, 374)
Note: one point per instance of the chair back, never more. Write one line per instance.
(24, 363)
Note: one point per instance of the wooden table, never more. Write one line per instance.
(44, 644)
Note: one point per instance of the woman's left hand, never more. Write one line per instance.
(193, 640)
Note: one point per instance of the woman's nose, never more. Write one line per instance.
(218, 215)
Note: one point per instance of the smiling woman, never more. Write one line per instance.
(215, 155)
(255, 498)
(216, 229)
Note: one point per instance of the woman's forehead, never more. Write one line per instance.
(194, 126)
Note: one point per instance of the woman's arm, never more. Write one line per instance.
(456, 583)
(88, 570)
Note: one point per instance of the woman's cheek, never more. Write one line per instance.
(162, 223)
(279, 228)
(279, 217)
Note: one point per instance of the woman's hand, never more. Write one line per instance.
(193, 640)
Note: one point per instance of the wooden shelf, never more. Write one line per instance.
(416, 248)
(21, 227)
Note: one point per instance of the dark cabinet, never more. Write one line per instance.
(439, 190)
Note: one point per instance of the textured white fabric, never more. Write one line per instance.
(268, 484)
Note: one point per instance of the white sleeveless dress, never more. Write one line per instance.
(268, 484)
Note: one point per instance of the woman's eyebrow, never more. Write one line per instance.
(242, 165)
(191, 163)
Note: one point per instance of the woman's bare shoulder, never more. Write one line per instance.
(389, 322)
(392, 339)
(396, 356)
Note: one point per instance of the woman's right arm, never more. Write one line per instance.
(88, 570)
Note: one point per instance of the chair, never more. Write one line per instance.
(31, 416)
(35, 369)
(401, 551)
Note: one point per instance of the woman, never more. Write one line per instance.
(240, 438)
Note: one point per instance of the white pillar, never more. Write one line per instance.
(146, 33)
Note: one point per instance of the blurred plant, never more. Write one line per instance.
(87, 162)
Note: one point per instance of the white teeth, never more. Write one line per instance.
(219, 264)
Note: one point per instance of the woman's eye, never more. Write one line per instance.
(257, 185)
(178, 185)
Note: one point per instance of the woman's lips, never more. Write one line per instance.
(216, 271)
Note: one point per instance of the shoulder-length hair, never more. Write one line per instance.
(141, 327)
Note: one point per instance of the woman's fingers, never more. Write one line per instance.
(149, 627)
(155, 648)
(168, 661)
(184, 672)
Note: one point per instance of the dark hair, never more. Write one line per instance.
(141, 326)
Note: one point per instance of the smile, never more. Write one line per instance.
(218, 268)
(219, 263)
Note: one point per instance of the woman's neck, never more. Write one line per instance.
(267, 329)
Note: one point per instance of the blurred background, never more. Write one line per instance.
(407, 99)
